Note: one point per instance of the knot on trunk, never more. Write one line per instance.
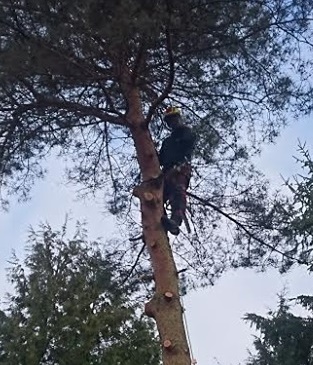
(154, 183)
(155, 303)
(148, 196)
(148, 191)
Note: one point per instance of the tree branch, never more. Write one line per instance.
(170, 81)
(134, 265)
(247, 231)
(139, 60)
(71, 106)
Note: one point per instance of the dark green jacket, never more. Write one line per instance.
(177, 148)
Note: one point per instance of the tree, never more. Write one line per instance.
(294, 215)
(69, 306)
(89, 79)
(285, 339)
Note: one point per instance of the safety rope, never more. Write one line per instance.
(193, 360)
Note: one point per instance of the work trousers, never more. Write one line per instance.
(176, 182)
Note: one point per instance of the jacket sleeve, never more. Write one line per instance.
(188, 137)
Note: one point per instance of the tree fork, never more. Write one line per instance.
(165, 306)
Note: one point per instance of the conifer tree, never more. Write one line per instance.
(88, 80)
(68, 307)
(285, 339)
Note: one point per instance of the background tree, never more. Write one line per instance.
(285, 339)
(69, 306)
(88, 81)
(294, 214)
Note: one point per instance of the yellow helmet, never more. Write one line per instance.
(171, 110)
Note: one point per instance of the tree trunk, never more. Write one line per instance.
(165, 306)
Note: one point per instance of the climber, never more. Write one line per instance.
(175, 158)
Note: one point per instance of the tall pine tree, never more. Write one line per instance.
(89, 80)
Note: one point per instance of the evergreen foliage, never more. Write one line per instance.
(235, 67)
(69, 307)
(285, 339)
(294, 216)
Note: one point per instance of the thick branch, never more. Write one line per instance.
(71, 106)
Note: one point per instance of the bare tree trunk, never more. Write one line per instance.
(165, 306)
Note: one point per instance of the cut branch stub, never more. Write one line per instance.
(149, 309)
(149, 197)
(136, 191)
(168, 296)
(167, 344)
(142, 192)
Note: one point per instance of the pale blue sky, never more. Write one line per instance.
(214, 314)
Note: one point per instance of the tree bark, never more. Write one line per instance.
(165, 306)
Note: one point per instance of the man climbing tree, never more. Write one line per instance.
(175, 158)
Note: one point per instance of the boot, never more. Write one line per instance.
(177, 217)
(170, 225)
